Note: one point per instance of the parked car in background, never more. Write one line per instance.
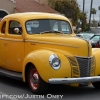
(95, 41)
(85, 36)
(91, 37)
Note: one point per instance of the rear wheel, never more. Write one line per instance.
(36, 84)
(96, 85)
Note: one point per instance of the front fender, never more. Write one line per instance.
(96, 54)
(40, 59)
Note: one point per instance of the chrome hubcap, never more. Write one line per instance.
(34, 79)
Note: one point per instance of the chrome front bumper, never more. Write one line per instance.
(73, 80)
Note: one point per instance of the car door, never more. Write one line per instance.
(14, 46)
(2, 42)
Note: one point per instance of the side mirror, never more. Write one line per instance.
(79, 29)
(16, 30)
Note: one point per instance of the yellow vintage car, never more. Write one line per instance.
(42, 49)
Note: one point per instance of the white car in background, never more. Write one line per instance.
(85, 36)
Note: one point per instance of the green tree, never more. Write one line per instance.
(69, 8)
(51, 3)
(83, 18)
(99, 13)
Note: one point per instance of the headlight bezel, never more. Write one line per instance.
(54, 61)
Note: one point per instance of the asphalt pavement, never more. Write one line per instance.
(11, 89)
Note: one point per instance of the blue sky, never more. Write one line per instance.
(95, 5)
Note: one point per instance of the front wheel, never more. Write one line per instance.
(96, 85)
(36, 84)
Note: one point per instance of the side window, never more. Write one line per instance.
(65, 27)
(15, 28)
(3, 29)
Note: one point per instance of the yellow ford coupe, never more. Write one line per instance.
(41, 49)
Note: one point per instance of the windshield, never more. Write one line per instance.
(95, 38)
(38, 26)
(88, 36)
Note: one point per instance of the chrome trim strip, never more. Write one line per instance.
(88, 48)
(73, 80)
(16, 40)
(51, 43)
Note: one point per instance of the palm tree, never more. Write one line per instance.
(99, 14)
(93, 12)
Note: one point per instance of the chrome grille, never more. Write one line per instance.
(82, 67)
(85, 66)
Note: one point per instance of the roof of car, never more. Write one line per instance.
(97, 34)
(36, 15)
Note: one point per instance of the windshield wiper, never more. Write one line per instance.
(52, 32)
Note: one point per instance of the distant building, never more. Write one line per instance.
(16, 6)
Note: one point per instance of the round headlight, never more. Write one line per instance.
(54, 61)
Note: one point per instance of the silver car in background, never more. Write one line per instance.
(85, 35)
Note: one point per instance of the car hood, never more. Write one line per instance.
(74, 45)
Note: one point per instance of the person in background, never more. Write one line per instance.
(99, 24)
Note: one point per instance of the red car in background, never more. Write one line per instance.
(95, 41)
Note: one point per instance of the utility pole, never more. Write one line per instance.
(83, 5)
(90, 14)
(83, 13)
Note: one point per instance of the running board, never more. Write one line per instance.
(11, 74)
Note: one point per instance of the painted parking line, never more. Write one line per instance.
(3, 95)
